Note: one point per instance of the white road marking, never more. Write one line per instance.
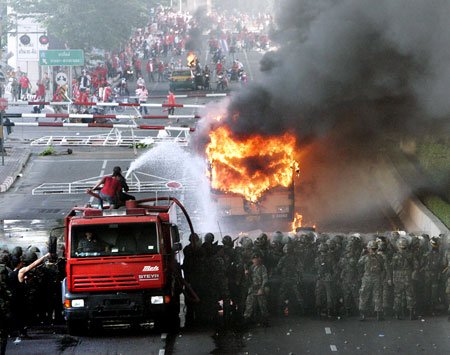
(333, 348)
(327, 330)
(162, 351)
(103, 166)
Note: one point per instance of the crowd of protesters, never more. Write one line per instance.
(150, 55)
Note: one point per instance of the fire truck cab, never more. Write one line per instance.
(122, 265)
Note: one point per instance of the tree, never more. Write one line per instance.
(86, 24)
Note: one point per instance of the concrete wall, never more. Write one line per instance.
(412, 212)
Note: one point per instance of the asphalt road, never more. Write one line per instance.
(287, 335)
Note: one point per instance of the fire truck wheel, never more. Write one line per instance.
(76, 327)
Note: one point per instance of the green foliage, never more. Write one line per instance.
(86, 24)
(434, 158)
(439, 208)
(48, 151)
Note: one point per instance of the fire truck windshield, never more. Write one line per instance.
(114, 239)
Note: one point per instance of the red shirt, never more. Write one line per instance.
(138, 64)
(24, 82)
(111, 186)
(171, 99)
(218, 68)
(107, 93)
(40, 92)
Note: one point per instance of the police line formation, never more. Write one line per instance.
(392, 275)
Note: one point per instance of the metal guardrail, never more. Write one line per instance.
(115, 138)
(154, 184)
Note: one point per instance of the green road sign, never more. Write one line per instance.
(56, 57)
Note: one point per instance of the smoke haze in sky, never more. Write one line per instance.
(362, 67)
(346, 75)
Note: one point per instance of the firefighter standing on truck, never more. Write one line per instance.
(111, 189)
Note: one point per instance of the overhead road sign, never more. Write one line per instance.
(56, 57)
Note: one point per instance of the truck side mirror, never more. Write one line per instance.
(52, 245)
(175, 234)
(53, 240)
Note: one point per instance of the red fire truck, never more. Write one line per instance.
(122, 265)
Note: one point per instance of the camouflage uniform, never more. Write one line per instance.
(243, 264)
(275, 254)
(334, 247)
(418, 275)
(257, 291)
(261, 247)
(402, 267)
(374, 270)
(290, 271)
(306, 254)
(348, 266)
(5, 297)
(388, 289)
(325, 289)
(435, 264)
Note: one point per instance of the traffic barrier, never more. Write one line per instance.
(95, 116)
(93, 124)
(106, 104)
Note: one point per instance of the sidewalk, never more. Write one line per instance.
(15, 158)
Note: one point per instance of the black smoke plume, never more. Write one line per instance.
(350, 77)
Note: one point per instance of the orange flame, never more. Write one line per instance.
(297, 222)
(191, 58)
(250, 166)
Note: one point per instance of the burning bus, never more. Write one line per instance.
(252, 177)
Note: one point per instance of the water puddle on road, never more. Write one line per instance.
(26, 233)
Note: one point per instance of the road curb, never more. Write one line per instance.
(411, 211)
(9, 180)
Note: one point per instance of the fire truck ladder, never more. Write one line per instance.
(116, 138)
(137, 182)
